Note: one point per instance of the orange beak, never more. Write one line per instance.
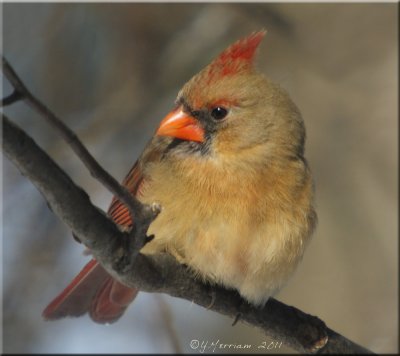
(181, 125)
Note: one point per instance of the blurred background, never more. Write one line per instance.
(112, 71)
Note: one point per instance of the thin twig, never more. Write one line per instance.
(142, 215)
(11, 99)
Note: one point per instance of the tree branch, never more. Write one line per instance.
(11, 99)
(159, 273)
(141, 214)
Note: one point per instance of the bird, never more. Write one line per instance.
(227, 166)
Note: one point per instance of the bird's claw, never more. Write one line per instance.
(213, 298)
(237, 317)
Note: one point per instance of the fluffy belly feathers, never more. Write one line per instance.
(252, 248)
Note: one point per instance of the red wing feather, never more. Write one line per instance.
(117, 210)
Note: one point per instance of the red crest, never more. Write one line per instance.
(236, 58)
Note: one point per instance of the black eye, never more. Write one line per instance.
(219, 113)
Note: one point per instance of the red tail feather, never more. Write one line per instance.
(93, 290)
(75, 299)
(111, 301)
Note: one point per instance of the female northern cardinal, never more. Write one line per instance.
(227, 167)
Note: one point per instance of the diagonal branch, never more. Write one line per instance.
(160, 273)
(141, 214)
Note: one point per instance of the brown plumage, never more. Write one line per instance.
(227, 166)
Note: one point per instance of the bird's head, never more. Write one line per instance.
(229, 108)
